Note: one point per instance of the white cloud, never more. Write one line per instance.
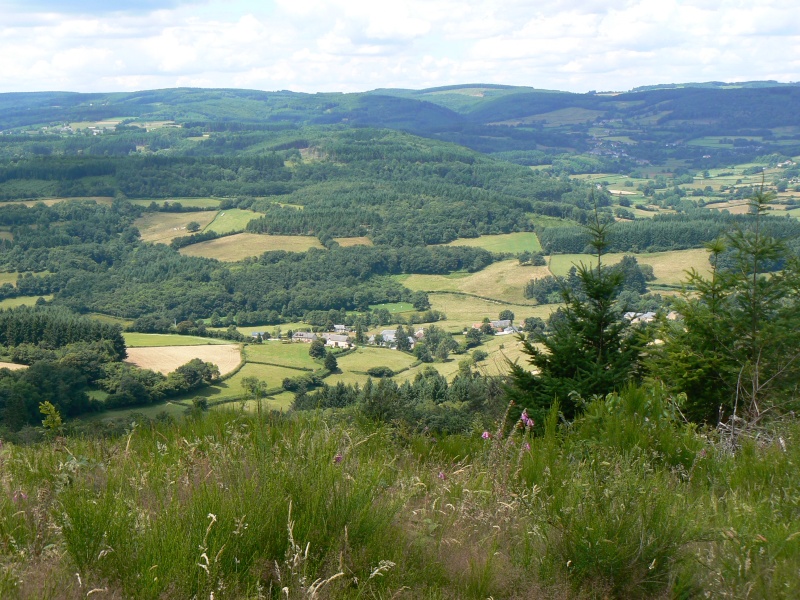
(350, 45)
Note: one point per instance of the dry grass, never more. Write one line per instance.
(233, 219)
(164, 227)
(166, 359)
(669, 267)
(237, 247)
(504, 281)
(463, 311)
(346, 242)
(12, 366)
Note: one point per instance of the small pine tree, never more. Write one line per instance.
(591, 349)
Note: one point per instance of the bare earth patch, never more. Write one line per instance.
(166, 359)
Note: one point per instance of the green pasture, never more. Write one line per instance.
(505, 242)
(230, 220)
(289, 354)
(9, 278)
(111, 320)
(22, 301)
(144, 340)
(394, 307)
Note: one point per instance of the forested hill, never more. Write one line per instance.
(649, 123)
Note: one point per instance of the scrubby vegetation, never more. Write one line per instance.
(625, 502)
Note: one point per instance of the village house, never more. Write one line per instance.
(304, 336)
(334, 340)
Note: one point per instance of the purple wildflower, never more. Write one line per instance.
(526, 420)
(337, 459)
(486, 435)
(442, 475)
(527, 447)
(19, 495)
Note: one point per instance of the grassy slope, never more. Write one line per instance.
(618, 506)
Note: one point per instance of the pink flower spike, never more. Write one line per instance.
(486, 435)
(442, 475)
(527, 447)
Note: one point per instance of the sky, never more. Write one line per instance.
(358, 45)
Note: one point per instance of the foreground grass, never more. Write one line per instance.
(626, 503)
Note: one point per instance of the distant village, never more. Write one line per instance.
(343, 337)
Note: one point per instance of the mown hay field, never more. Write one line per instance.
(166, 359)
(164, 227)
(523, 241)
(12, 366)
(233, 248)
(669, 267)
(504, 281)
(134, 340)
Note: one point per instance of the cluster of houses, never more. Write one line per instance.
(500, 327)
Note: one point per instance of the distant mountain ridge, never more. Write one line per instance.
(489, 118)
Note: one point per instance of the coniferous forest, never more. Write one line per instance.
(642, 443)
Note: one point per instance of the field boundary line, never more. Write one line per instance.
(495, 300)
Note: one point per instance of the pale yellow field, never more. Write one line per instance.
(166, 359)
(668, 267)
(164, 227)
(237, 247)
(346, 242)
(8, 278)
(12, 366)
(504, 281)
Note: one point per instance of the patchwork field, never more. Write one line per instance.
(234, 219)
(164, 227)
(505, 242)
(504, 281)
(232, 248)
(232, 387)
(166, 359)
(669, 267)
(134, 340)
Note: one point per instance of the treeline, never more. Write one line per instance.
(54, 328)
(662, 232)
(429, 403)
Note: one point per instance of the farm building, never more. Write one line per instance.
(304, 336)
(335, 340)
